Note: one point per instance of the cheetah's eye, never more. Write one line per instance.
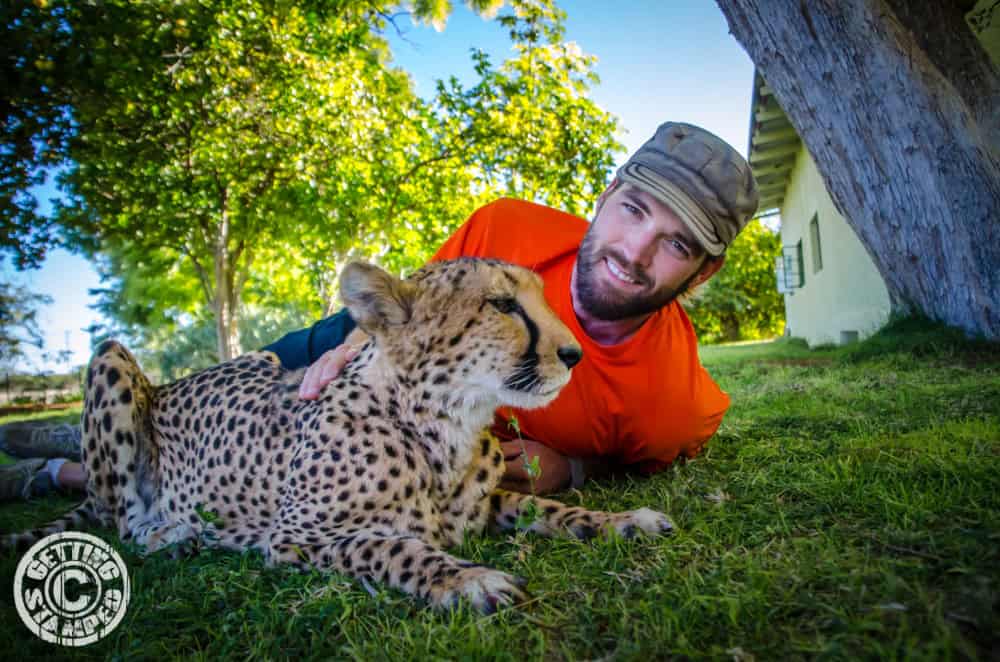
(505, 305)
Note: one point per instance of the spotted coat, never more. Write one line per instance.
(379, 476)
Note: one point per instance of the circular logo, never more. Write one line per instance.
(71, 589)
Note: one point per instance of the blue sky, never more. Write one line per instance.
(658, 60)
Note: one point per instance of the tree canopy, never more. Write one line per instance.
(741, 302)
(220, 161)
(36, 50)
(225, 149)
(18, 321)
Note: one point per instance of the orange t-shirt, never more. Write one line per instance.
(642, 402)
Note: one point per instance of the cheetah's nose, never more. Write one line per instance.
(570, 355)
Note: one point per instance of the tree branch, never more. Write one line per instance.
(202, 274)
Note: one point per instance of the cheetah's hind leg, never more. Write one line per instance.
(119, 450)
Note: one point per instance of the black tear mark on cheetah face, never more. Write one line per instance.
(486, 323)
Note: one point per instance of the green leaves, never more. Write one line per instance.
(741, 302)
(35, 123)
(207, 516)
(230, 156)
(528, 514)
(532, 467)
(528, 121)
(514, 425)
(19, 324)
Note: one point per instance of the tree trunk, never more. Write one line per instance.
(903, 126)
(226, 301)
(226, 318)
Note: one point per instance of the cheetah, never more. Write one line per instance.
(389, 467)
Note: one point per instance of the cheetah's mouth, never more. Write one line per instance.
(531, 394)
(525, 379)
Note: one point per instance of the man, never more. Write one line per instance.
(639, 398)
(52, 455)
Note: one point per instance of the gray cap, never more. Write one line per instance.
(701, 177)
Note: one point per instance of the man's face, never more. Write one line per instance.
(636, 257)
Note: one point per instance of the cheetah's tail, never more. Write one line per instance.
(81, 515)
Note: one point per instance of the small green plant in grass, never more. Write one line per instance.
(529, 511)
(527, 515)
(299, 553)
(208, 537)
(207, 516)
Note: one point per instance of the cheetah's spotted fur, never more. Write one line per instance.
(374, 479)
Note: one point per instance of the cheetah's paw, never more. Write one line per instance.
(484, 588)
(644, 520)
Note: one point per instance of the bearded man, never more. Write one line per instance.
(640, 398)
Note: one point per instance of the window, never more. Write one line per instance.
(817, 249)
(800, 263)
(788, 268)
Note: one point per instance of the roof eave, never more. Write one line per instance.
(773, 146)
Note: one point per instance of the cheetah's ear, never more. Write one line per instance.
(376, 299)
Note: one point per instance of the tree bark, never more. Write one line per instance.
(900, 113)
(226, 300)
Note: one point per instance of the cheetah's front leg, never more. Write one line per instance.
(410, 565)
(556, 519)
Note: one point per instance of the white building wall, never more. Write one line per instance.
(847, 296)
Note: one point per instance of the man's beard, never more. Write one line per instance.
(611, 305)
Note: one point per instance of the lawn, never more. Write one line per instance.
(848, 508)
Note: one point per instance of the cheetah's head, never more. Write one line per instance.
(477, 329)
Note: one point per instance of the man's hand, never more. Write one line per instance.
(555, 476)
(325, 369)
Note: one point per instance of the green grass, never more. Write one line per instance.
(849, 508)
(71, 415)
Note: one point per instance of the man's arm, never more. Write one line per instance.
(321, 346)
(558, 471)
(299, 349)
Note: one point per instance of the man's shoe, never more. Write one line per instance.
(24, 479)
(27, 439)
